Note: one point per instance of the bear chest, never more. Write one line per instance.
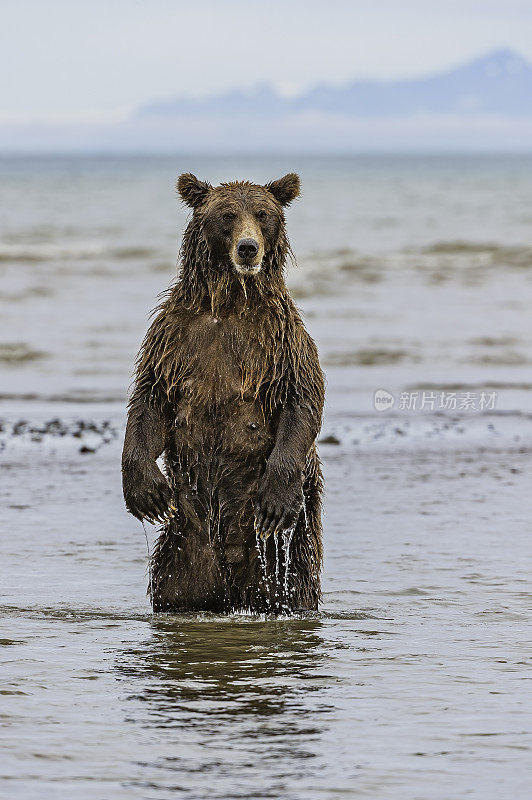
(224, 361)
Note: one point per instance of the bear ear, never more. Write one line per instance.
(285, 189)
(192, 190)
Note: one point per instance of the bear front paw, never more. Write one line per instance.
(147, 493)
(278, 503)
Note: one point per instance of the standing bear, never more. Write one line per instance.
(229, 391)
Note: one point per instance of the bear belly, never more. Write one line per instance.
(231, 431)
(218, 457)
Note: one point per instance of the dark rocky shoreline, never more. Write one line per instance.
(424, 431)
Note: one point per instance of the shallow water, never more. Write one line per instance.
(412, 680)
(410, 270)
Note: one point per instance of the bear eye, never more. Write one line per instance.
(228, 216)
(262, 215)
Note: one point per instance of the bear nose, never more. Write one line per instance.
(247, 248)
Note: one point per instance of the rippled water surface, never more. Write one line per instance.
(412, 681)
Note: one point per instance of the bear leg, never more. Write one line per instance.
(185, 572)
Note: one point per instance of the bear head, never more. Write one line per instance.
(241, 223)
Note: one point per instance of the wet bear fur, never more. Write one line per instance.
(229, 391)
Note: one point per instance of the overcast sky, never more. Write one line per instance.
(92, 59)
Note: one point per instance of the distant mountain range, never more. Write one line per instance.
(499, 83)
(484, 105)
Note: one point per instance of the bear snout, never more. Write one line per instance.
(247, 249)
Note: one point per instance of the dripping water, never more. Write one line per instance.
(276, 539)
(261, 549)
(287, 540)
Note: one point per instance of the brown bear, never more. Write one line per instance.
(230, 391)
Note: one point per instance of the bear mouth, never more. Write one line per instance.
(247, 268)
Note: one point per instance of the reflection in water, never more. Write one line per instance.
(240, 701)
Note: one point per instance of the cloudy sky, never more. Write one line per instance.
(97, 59)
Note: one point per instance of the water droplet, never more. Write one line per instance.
(287, 540)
